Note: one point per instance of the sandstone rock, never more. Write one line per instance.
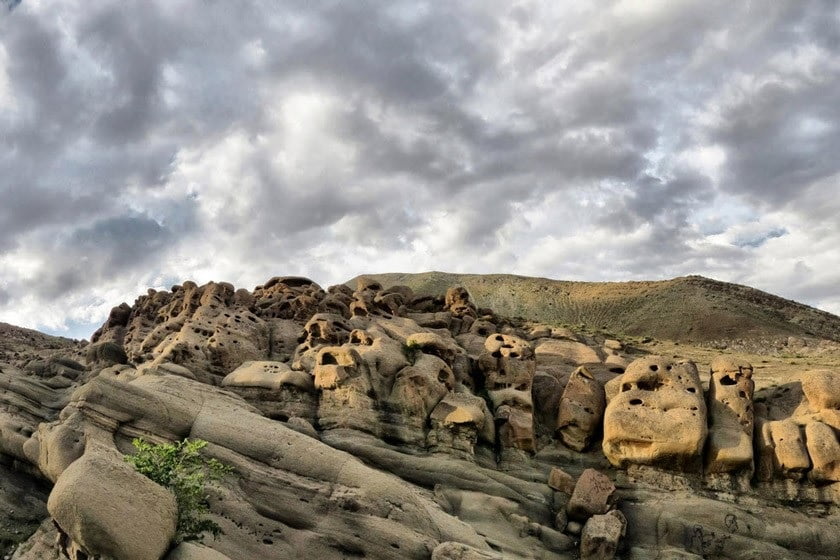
(658, 417)
(561, 481)
(824, 452)
(601, 536)
(790, 455)
(581, 410)
(507, 361)
(267, 375)
(594, 494)
(563, 351)
(458, 421)
(822, 389)
(459, 551)
(730, 443)
(192, 551)
(105, 354)
(108, 508)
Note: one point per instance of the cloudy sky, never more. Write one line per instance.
(147, 142)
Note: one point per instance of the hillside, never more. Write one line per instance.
(685, 309)
(18, 339)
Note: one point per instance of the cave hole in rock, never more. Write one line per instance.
(636, 402)
(654, 367)
(328, 359)
(726, 380)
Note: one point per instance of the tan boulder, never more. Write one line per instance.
(594, 494)
(581, 410)
(109, 509)
(790, 454)
(553, 352)
(731, 417)
(658, 417)
(507, 361)
(193, 551)
(822, 389)
(824, 451)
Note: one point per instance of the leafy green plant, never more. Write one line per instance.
(181, 468)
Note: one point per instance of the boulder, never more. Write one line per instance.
(553, 352)
(581, 410)
(560, 480)
(822, 389)
(107, 508)
(658, 417)
(601, 535)
(824, 451)
(730, 444)
(790, 454)
(193, 551)
(594, 494)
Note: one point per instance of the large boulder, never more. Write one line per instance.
(581, 410)
(107, 508)
(658, 417)
(731, 419)
(594, 494)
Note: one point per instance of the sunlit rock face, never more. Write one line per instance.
(658, 417)
(731, 416)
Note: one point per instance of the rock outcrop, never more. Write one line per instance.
(372, 422)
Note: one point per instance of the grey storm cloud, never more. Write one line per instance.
(144, 142)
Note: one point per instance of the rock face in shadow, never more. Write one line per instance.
(374, 423)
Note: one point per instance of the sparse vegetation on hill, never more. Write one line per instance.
(690, 308)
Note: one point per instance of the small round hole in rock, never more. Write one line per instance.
(635, 402)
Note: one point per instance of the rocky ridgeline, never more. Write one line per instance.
(371, 423)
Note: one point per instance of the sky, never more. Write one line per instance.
(147, 142)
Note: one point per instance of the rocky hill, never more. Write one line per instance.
(686, 309)
(383, 423)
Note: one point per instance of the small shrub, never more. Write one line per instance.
(181, 468)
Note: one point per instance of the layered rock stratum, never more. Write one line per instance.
(378, 422)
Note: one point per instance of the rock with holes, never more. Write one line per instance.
(824, 452)
(346, 398)
(731, 416)
(581, 410)
(326, 328)
(790, 456)
(658, 417)
(594, 494)
(458, 422)
(507, 361)
(417, 390)
(601, 536)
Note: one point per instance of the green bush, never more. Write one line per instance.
(181, 468)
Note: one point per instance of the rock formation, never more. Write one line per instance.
(372, 422)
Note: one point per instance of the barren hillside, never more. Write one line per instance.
(690, 308)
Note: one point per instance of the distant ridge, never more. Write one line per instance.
(16, 339)
(688, 308)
